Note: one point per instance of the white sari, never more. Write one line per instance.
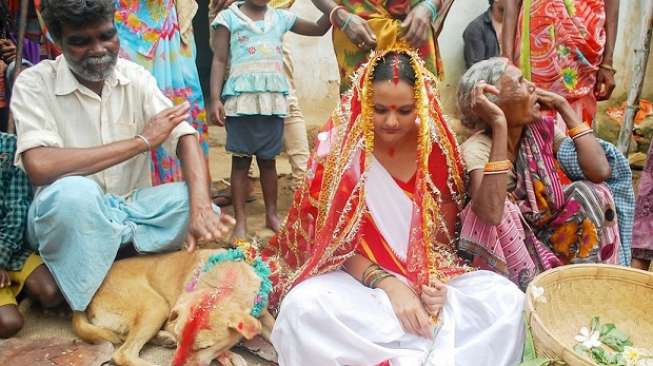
(333, 319)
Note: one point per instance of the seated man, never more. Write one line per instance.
(483, 34)
(85, 123)
(19, 267)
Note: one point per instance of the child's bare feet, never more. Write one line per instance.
(272, 222)
(240, 232)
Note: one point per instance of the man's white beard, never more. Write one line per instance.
(94, 69)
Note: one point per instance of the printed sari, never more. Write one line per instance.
(545, 223)
(350, 204)
(384, 17)
(158, 36)
(559, 46)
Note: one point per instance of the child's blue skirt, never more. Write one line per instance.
(255, 135)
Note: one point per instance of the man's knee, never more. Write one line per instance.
(50, 296)
(11, 322)
(71, 194)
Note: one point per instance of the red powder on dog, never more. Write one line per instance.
(199, 319)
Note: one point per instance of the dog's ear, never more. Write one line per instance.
(247, 325)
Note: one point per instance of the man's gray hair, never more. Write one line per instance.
(75, 13)
(490, 71)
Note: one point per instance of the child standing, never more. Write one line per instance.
(248, 36)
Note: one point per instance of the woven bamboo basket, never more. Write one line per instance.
(574, 294)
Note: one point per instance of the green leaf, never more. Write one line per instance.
(595, 324)
(580, 349)
(616, 339)
(606, 328)
(599, 355)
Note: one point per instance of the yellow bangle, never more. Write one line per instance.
(578, 130)
(581, 134)
(498, 166)
(496, 172)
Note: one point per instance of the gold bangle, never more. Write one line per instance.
(375, 281)
(368, 272)
(608, 67)
(496, 172)
(581, 134)
(495, 166)
(578, 129)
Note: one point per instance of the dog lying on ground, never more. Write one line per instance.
(173, 300)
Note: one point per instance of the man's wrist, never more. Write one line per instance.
(145, 142)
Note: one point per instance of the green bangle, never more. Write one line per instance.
(434, 11)
(379, 278)
(346, 23)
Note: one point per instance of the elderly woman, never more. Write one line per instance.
(521, 218)
(366, 259)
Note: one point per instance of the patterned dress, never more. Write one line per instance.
(15, 198)
(559, 46)
(384, 17)
(149, 32)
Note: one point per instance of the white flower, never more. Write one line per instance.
(538, 294)
(588, 340)
(631, 356)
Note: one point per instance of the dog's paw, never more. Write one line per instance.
(164, 339)
(231, 359)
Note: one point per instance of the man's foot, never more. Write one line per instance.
(272, 222)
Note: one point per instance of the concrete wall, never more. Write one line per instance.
(317, 77)
(628, 37)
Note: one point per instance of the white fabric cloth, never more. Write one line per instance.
(390, 208)
(332, 319)
(51, 108)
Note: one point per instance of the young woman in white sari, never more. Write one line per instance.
(364, 269)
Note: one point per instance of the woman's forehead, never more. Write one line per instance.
(389, 92)
(512, 73)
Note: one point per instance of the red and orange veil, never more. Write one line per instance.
(321, 230)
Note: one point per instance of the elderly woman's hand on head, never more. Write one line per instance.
(550, 100)
(484, 108)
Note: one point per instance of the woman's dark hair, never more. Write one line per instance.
(395, 65)
(76, 13)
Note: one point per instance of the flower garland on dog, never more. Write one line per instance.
(244, 253)
(248, 255)
(199, 314)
